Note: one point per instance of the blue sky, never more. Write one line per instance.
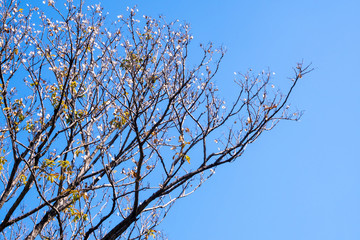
(301, 180)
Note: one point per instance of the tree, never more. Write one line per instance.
(104, 125)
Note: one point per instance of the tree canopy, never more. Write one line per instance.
(105, 124)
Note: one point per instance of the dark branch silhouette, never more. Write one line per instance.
(104, 126)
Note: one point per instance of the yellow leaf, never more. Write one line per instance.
(187, 158)
(23, 179)
(73, 84)
(77, 152)
(52, 176)
(21, 10)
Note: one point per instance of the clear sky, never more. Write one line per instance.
(301, 180)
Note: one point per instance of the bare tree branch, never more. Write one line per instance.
(104, 126)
